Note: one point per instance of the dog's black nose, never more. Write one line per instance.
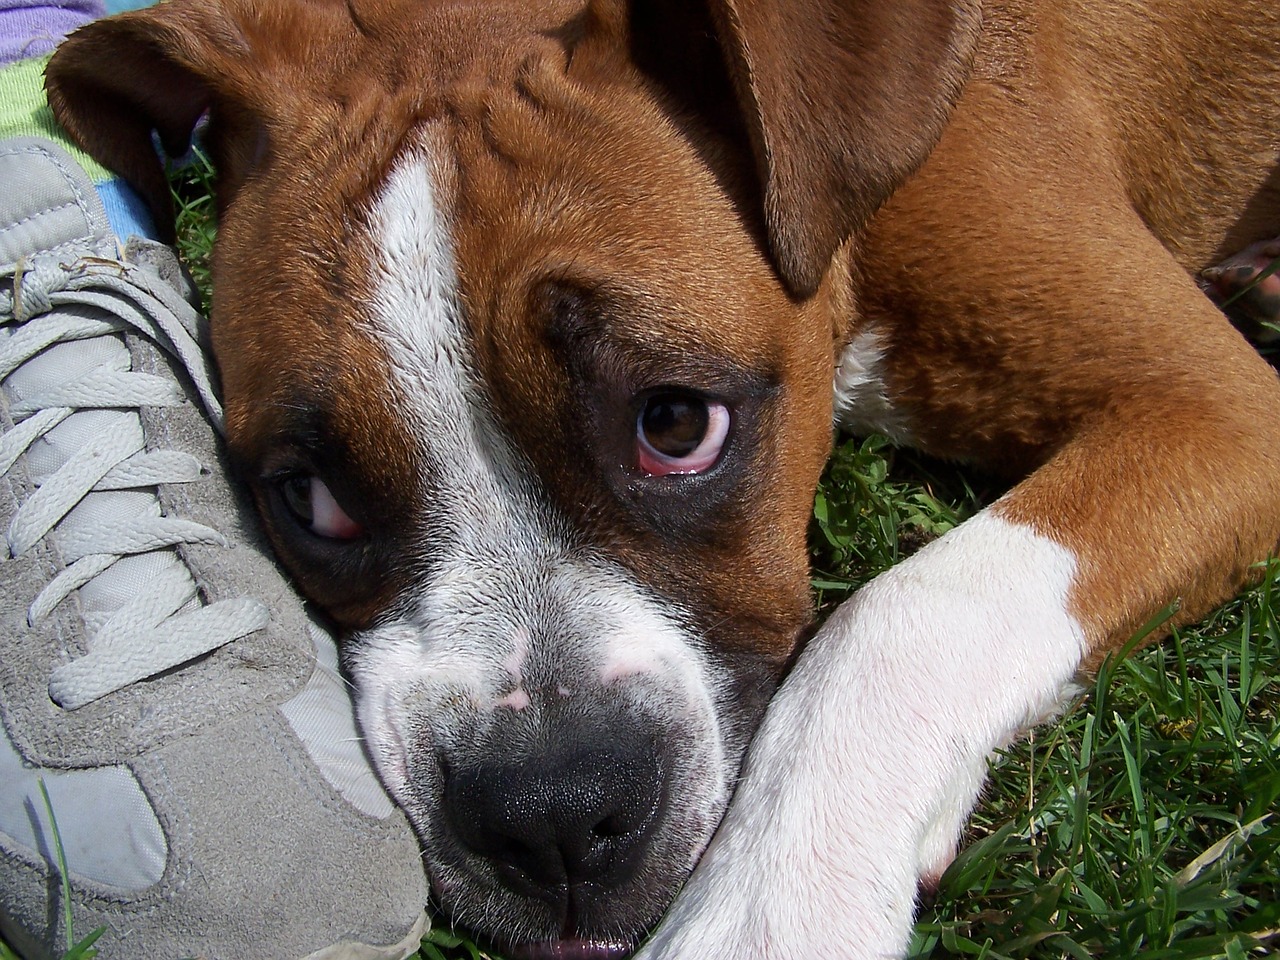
(577, 812)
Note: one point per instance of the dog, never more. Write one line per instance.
(533, 322)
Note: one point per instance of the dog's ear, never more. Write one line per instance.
(115, 81)
(840, 99)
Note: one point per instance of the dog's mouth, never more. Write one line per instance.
(572, 949)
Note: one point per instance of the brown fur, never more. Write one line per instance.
(728, 192)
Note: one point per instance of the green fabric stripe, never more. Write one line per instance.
(24, 113)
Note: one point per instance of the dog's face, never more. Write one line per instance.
(523, 461)
(526, 403)
(497, 432)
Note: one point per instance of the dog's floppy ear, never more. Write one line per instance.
(841, 101)
(115, 81)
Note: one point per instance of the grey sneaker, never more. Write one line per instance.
(156, 671)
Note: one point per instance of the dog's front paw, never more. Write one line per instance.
(841, 795)
(873, 751)
(771, 887)
(744, 903)
(816, 856)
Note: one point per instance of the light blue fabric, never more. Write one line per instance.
(126, 212)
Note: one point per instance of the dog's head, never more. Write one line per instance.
(526, 317)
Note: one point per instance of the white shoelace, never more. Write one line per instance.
(166, 624)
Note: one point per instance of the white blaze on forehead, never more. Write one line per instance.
(481, 517)
(416, 315)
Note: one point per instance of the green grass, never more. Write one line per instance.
(193, 202)
(1143, 823)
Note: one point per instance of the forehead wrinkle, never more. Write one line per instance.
(621, 330)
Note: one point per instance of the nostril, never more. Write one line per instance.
(629, 816)
(519, 866)
(613, 826)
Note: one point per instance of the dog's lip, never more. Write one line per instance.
(571, 950)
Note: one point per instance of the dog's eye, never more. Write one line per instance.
(680, 433)
(315, 508)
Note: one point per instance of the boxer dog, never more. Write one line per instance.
(533, 321)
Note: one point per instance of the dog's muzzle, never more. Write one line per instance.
(553, 828)
(562, 743)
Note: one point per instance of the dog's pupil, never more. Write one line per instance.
(675, 425)
(297, 497)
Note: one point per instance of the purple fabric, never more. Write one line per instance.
(31, 29)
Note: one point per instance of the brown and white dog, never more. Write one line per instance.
(528, 317)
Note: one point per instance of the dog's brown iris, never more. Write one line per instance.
(674, 424)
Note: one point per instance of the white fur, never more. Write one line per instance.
(862, 403)
(510, 616)
(872, 753)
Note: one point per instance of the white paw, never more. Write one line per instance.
(873, 752)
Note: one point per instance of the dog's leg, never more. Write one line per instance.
(1150, 431)
(874, 749)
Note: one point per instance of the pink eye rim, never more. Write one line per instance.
(704, 455)
(315, 509)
